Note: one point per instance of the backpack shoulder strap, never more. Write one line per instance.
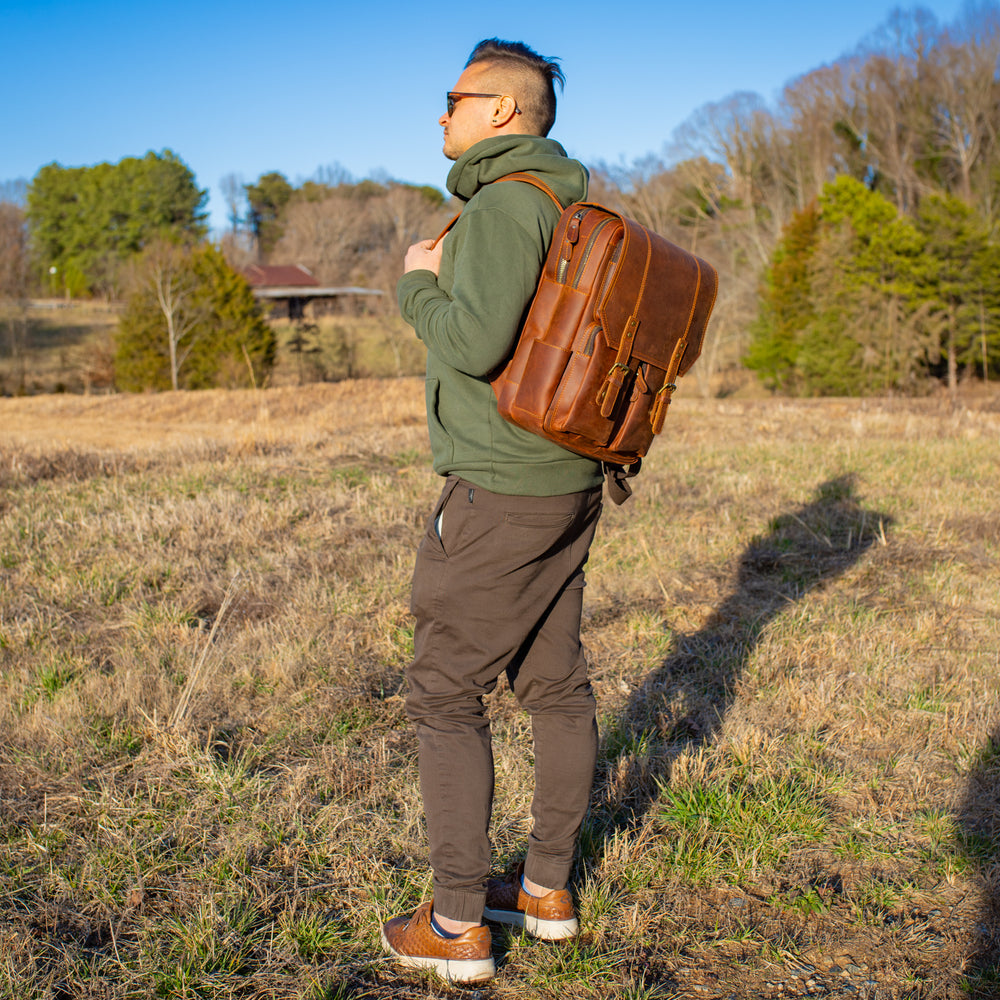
(520, 175)
(444, 232)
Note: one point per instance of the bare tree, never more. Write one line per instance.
(13, 252)
(238, 250)
(742, 135)
(332, 175)
(810, 108)
(320, 235)
(649, 191)
(966, 116)
(400, 217)
(14, 282)
(355, 235)
(890, 93)
(234, 191)
(166, 271)
(15, 192)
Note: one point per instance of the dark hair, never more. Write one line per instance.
(537, 73)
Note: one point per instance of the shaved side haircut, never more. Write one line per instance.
(514, 69)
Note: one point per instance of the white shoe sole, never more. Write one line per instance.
(547, 930)
(472, 970)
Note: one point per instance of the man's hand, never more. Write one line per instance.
(423, 256)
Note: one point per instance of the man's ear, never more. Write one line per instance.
(503, 111)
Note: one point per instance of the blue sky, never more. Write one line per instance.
(251, 87)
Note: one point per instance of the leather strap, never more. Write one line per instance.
(444, 232)
(520, 175)
(616, 479)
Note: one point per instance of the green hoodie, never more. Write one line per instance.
(470, 314)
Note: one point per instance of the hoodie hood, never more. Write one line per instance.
(493, 158)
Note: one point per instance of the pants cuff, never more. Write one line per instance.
(547, 873)
(459, 905)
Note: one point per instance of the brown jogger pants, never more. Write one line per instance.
(501, 589)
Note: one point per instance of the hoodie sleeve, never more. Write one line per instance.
(472, 326)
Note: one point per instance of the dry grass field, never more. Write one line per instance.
(208, 787)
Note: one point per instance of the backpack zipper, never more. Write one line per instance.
(593, 328)
(588, 250)
(610, 273)
(572, 233)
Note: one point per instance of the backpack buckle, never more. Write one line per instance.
(608, 394)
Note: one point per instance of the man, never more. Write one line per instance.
(499, 574)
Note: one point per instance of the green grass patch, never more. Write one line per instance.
(734, 828)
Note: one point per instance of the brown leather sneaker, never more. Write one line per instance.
(551, 916)
(465, 959)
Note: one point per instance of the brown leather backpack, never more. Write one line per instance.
(619, 315)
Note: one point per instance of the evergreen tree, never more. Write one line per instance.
(960, 282)
(840, 312)
(239, 347)
(267, 199)
(866, 296)
(829, 358)
(85, 222)
(786, 305)
(191, 322)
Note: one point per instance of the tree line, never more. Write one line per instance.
(135, 232)
(854, 221)
(345, 232)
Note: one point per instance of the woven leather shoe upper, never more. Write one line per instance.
(506, 894)
(414, 937)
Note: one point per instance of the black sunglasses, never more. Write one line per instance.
(454, 96)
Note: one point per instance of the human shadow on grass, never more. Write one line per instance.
(802, 549)
(979, 838)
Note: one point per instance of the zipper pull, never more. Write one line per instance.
(573, 229)
(570, 238)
